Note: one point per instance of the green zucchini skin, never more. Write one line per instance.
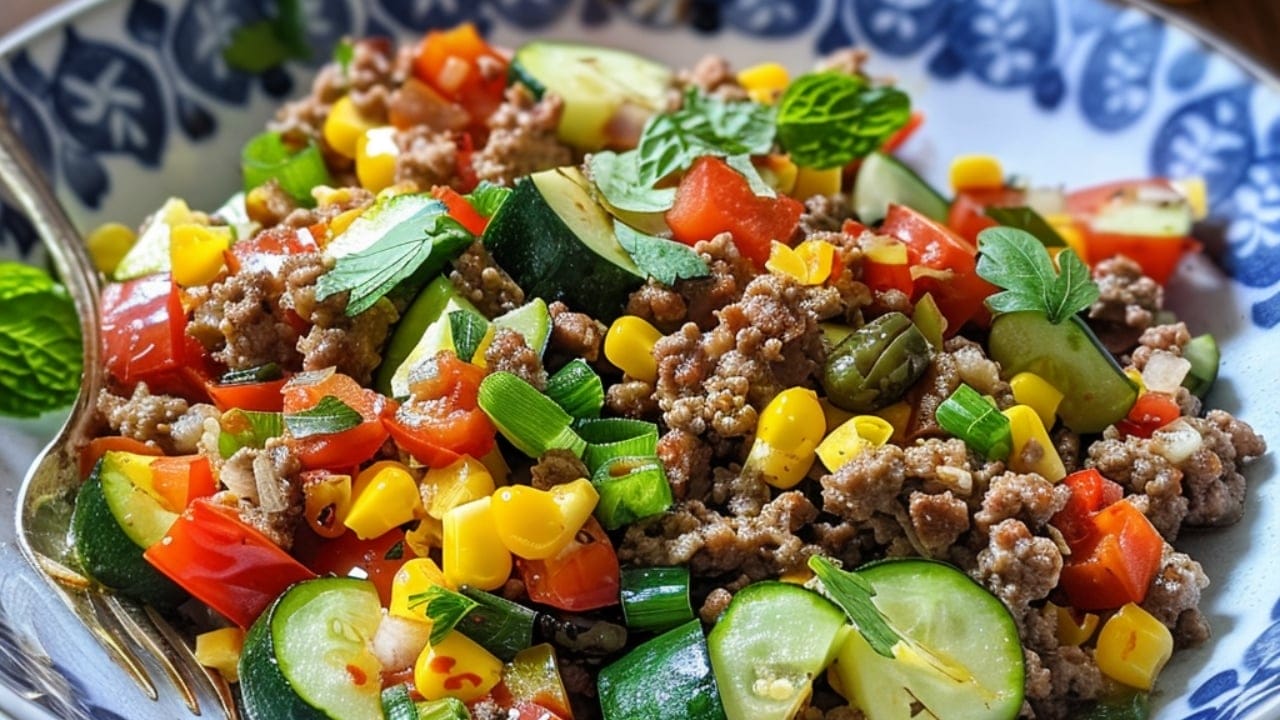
(264, 690)
(666, 678)
(883, 179)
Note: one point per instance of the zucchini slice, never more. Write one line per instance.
(308, 656)
(558, 243)
(666, 678)
(883, 179)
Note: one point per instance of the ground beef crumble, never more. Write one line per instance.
(142, 416)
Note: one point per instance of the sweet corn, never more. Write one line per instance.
(1035, 392)
(344, 127)
(818, 258)
(376, 153)
(897, 415)
(784, 261)
(326, 503)
(1196, 193)
(1133, 647)
(426, 536)
(629, 345)
(465, 480)
(852, 437)
(1025, 426)
(456, 667)
(386, 496)
(1072, 631)
(787, 436)
(108, 245)
(537, 524)
(765, 82)
(414, 577)
(473, 553)
(812, 181)
(220, 650)
(196, 253)
(976, 172)
(1069, 231)
(339, 224)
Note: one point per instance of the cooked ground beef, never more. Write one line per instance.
(865, 485)
(662, 306)
(187, 430)
(143, 416)
(716, 602)
(961, 361)
(522, 138)
(687, 459)
(1029, 498)
(575, 334)
(428, 157)
(508, 352)
(825, 213)
(632, 398)
(487, 286)
(1167, 338)
(263, 487)
(1174, 597)
(241, 321)
(713, 75)
(1126, 305)
(1211, 475)
(1018, 566)
(557, 467)
(938, 521)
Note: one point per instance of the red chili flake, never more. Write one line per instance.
(358, 676)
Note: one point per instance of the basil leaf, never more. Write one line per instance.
(329, 416)
(617, 177)
(664, 260)
(40, 351)
(853, 594)
(247, 428)
(1016, 261)
(444, 608)
(828, 119)
(703, 126)
(488, 197)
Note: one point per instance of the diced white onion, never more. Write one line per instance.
(398, 642)
(1165, 372)
(1176, 441)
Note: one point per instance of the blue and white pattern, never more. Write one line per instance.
(138, 92)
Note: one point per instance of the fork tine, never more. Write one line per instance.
(84, 604)
(219, 684)
(126, 615)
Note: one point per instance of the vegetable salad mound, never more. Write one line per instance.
(558, 384)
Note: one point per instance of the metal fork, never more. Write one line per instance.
(136, 637)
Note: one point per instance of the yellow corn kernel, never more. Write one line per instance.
(764, 82)
(1196, 193)
(497, 466)
(1133, 647)
(108, 244)
(386, 496)
(473, 553)
(1072, 631)
(196, 253)
(818, 258)
(376, 154)
(1135, 375)
(852, 437)
(414, 577)
(629, 345)
(1035, 392)
(448, 487)
(344, 127)
(787, 436)
(784, 261)
(976, 172)
(897, 415)
(456, 667)
(1068, 230)
(1025, 426)
(779, 172)
(220, 650)
(812, 181)
(326, 503)
(537, 524)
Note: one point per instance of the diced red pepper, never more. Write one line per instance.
(583, 576)
(143, 329)
(904, 133)
(348, 447)
(1116, 564)
(181, 479)
(378, 559)
(462, 67)
(266, 251)
(460, 209)
(226, 564)
(968, 215)
(713, 198)
(96, 447)
(265, 396)
(1158, 256)
(1152, 411)
(443, 420)
(1090, 492)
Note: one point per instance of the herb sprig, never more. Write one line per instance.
(829, 119)
(1016, 261)
(444, 608)
(663, 260)
(853, 594)
(327, 417)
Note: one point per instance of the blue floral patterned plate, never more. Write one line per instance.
(124, 102)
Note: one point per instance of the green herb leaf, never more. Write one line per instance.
(247, 376)
(395, 552)
(664, 260)
(703, 126)
(421, 244)
(742, 163)
(488, 197)
(828, 119)
(853, 594)
(1017, 262)
(247, 428)
(264, 44)
(329, 416)
(1025, 218)
(467, 330)
(343, 53)
(40, 352)
(617, 176)
(443, 607)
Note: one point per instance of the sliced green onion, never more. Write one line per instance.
(248, 376)
(467, 329)
(631, 488)
(656, 598)
(607, 430)
(500, 626)
(577, 388)
(247, 428)
(443, 709)
(610, 438)
(531, 421)
(297, 171)
(397, 704)
(596, 456)
(974, 419)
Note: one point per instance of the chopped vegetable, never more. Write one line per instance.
(655, 599)
(829, 119)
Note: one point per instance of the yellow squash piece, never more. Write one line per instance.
(376, 154)
(386, 496)
(787, 435)
(326, 503)
(1133, 647)
(456, 667)
(765, 82)
(196, 253)
(976, 172)
(812, 181)
(414, 577)
(1072, 631)
(629, 346)
(1025, 426)
(537, 524)
(473, 552)
(852, 437)
(108, 244)
(465, 480)
(344, 126)
(1035, 392)
(220, 650)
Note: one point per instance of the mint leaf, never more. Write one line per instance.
(467, 330)
(853, 594)
(828, 119)
(1019, 263)
(617, 176)
(41, 356)
(444, 608)
(742, 163)
(488, 197)
(329, 416)
(664, 260)
(703, 126)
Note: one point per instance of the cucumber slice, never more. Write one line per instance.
(597, 85)
(883, 179)
(532, 320)
(1202, 353)
(772, 641)
(576, 256)
(1147, 211)
(436, 300)
(963, 660)
(666, 678)
(150, 253)
(308, 655)
(140, 516)
(1096, 392)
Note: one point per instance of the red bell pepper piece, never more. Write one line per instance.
(143, 329)
(1152, 411)
(96, 447)
(1090, 492)
(462, 67)
(968, 211)
(904, 133)
(443, 420)
(224, 563)
(1117, 563)
(713, 198)
(583, 576)
(348, 447)
(1158, 256)
(378, 559)
(266, 251)
(182, 479)
(267, 396)
(460, 209)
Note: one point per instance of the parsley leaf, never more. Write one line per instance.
(664, 260)
(443, 607)
(703, 126)
(618, 178)
(853, 594)
(327, 417)
(828, 119)
(416, 242)
(1019, 263)
(264, 44)
(488, 197)
(41, 355)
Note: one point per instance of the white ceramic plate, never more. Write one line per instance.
(126, 101)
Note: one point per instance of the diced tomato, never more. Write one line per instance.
(348, 447)
(533, 711)
(462, 67)
(377, 559)
(226, 564)
(96, 447)
(443, 418)
(968, 211)
(460, 209)
(943, 264)
(583, 576)
(1090, 492)
(1089, 201)
(1152, 411)
(265, 396)
(1158, 256)
(904, 133)
(266, 251)
(1118, 562)
(713, 198)
(143, 329)
(181, 479)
